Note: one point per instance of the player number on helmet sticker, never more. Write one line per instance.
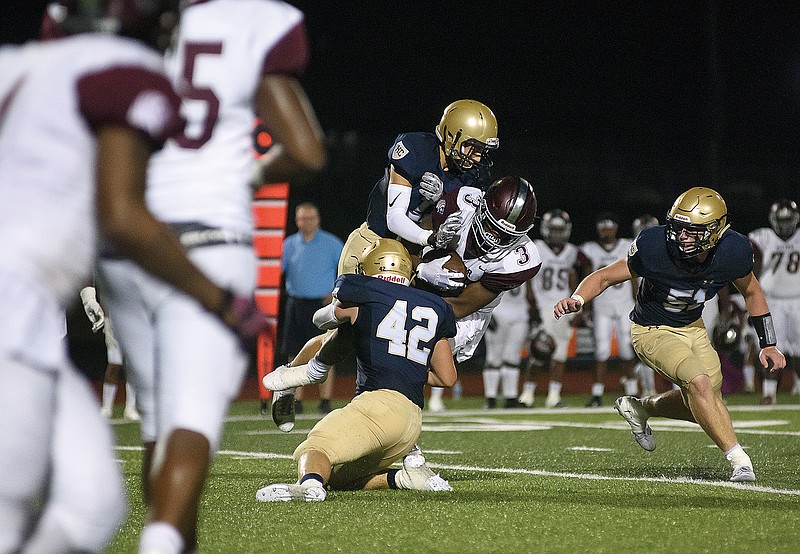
(407, 343)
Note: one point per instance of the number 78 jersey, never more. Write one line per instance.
(223, 51)
(780, 263)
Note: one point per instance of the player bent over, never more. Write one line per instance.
(400, 335)
(683, 264)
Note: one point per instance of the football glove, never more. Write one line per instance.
(243, 316)
(431, 187)
(447, 230)
(92, 308)
(434, 272)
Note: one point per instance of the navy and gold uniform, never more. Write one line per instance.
(396, 330)
(668, 333)
(673, 291)
(411, 155)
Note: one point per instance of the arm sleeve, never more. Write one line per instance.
(397, 219)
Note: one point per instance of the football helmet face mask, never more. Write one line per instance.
(784, 217)
(504, 216)
(467, 132)
(643, 222)
(696, 222)
(149, 21)
(556, 227)
(389, 260)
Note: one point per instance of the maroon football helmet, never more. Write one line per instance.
(505, 215)
(784, 217)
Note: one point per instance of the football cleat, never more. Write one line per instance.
(285, 492)
(420, 476)
(630, 408)
(526, 398)
(743, 474)
(131, 414)
(288, 377)
(595, 402)
(283, 410)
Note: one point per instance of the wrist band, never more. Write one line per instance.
(765, 329)
(579, 298)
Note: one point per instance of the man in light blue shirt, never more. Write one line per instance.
(309, 265)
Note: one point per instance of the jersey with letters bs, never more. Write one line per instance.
(672, 291)
(396, 330)
(411, 155)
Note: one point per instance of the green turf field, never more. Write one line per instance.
(568, 480)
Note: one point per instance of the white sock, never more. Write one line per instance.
(554, 388)
(510, 377)
(749, 373)
(738, 457)
(160, 538)
(130, 396)
(769, 387)
(316, 370)
(491, 382)
(437, 392)
(598, 389)
(109, 393)
(529, 386)
(631, 386)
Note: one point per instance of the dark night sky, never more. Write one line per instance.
(602, 105)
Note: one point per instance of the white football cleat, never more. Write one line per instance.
(131, 414)
(634, 413)
(283, 413)
(286, 492)
(286, 377)
(106, 412)
(743, 474)
(435, 404)
(420, 476)
(526, 398)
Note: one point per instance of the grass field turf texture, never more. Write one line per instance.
(535, 480)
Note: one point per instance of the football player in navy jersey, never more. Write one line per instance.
(422, 167)
(684, 264)
(400, 336)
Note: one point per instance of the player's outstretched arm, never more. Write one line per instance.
(770, 357)
(594, 284)
(443, 369)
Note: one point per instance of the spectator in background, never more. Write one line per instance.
(609, 312)
(309, 261)
(114, 368)
(777, 255)
(235, 61)
(102, 105)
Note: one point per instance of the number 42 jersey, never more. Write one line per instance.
(673, 292)
(396, 330)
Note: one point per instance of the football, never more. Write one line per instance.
(454, 264)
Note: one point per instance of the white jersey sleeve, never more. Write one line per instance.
(52, 97)
(224, 49)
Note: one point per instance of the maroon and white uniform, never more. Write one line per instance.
(611, 310)
(188, 367)
(52, 95)
(550, 285)
(518, 265)
(780, 280)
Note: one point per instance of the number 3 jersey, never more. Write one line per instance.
(225, 49)
(395, 332)
(672, 292)
(780, 262)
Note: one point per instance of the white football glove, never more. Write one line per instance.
(93, 309)
(431, 187)
(434, 272)
(447, 230)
